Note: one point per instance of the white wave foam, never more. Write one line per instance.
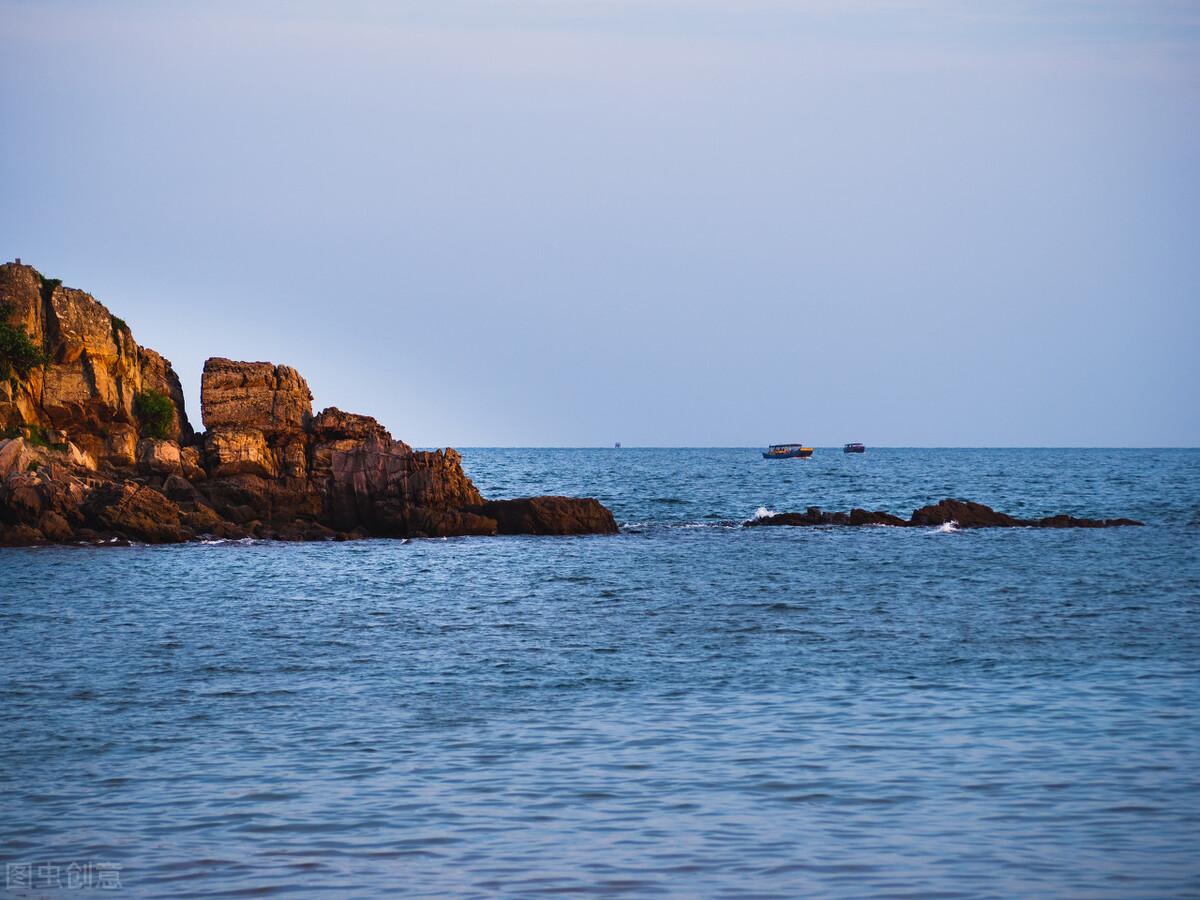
(762, 512)
(946, 528)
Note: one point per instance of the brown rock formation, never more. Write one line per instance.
(273, 399)
(77, 464)
(190, 462)
(137, 511)
(239, 451)
(549, 515)
(158, 457)
(40, 490)
(270, 460)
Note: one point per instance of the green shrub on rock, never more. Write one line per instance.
(18, 354)
(39, 437)
(155, 413)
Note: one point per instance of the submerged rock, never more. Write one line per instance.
(961, 513)
(86, 457)
(814, 515)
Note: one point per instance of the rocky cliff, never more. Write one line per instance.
(91, 371)
(95, 445)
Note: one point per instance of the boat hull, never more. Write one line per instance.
(798, 453)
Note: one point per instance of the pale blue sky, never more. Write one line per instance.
(680, 222)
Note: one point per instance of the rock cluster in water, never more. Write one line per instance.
(95, 445)
(960, 513)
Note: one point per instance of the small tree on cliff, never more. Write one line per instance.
(18, 354)
(155, 412)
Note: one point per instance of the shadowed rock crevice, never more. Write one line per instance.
(77, 465)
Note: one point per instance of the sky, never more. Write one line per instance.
(669, 222)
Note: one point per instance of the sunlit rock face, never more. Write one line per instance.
(273, 399)
(93, 370)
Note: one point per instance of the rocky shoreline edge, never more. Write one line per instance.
(96, 447)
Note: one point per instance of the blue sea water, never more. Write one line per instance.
(689, 708)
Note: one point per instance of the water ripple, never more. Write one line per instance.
(707, 711)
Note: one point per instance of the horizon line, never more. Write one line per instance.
(815, 447)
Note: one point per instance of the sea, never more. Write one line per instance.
(690, 708)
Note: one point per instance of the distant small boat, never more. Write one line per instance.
(854, 448)
(787, 451)
(617, 445)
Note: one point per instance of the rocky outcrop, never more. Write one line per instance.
(270, 459)
(960, 513)
(84, 457)
(256, 415)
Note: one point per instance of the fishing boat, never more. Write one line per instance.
(854, 448)
(787, 451)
